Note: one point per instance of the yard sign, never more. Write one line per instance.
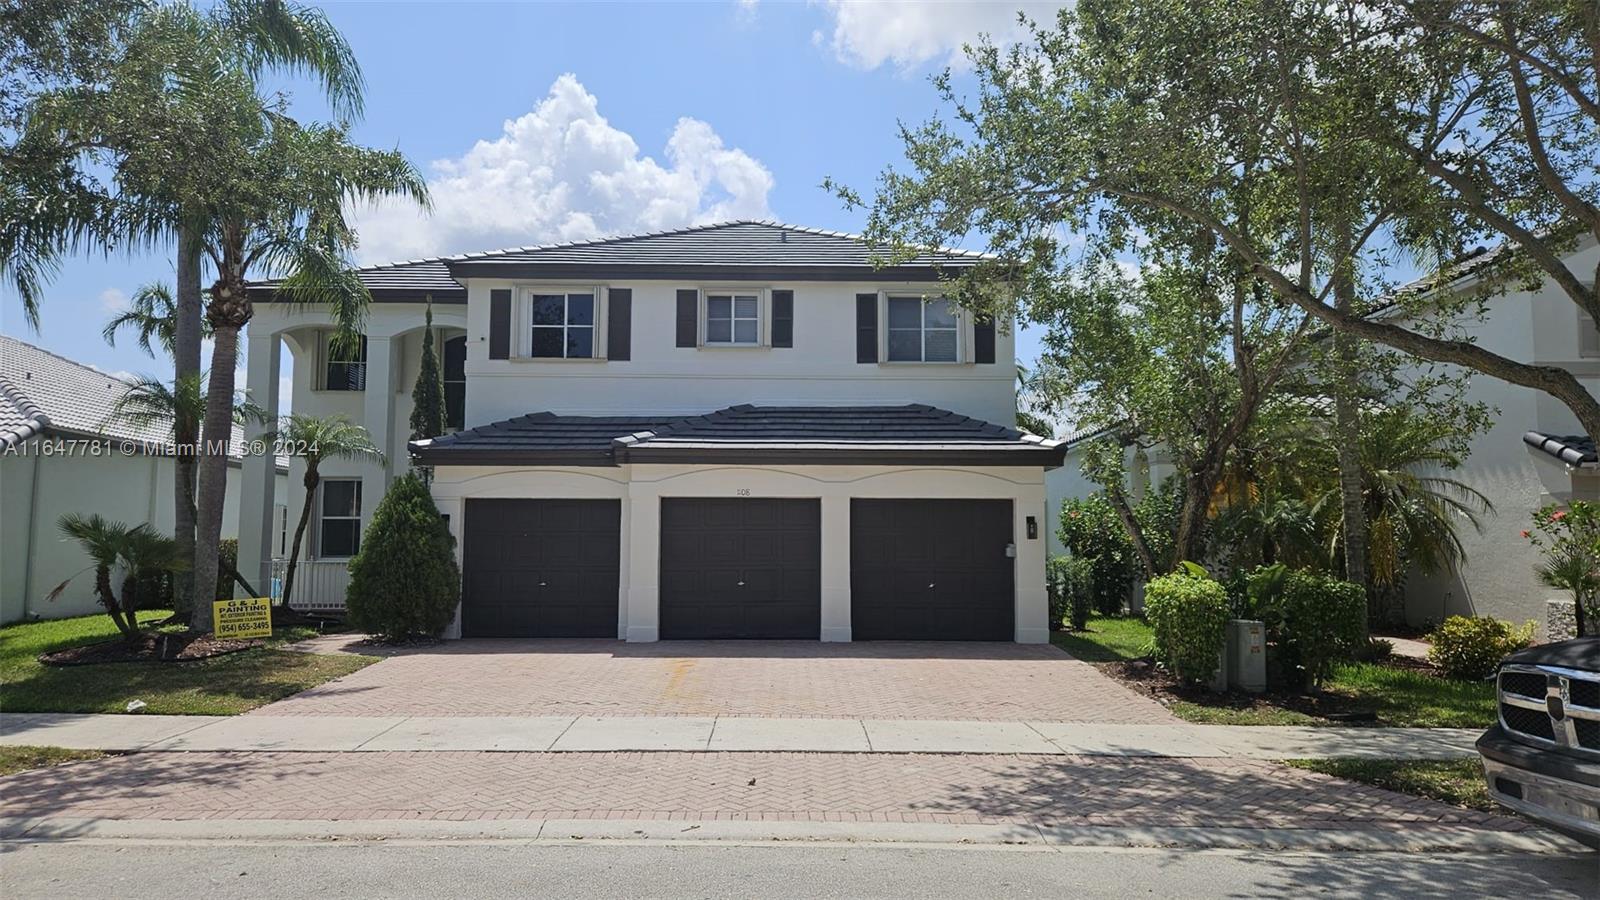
(247, 618)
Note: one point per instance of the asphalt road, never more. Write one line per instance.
(132, 869)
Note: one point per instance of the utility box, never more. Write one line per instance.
(1246, 655)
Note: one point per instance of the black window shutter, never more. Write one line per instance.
(983, 340)
(619, 324)
(866, 328)
(500, 324)
(783, 318)
(688, 317)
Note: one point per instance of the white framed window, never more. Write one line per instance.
(338, 518)
(732, 318)
(921, 329)
(344, 368)
(455, 381)
(560, 324)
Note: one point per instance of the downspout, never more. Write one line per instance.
(33, 505)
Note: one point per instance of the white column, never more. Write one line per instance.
(378, 417)
(1032, 623)
(835, 567)
(644, 563)
(263, 358)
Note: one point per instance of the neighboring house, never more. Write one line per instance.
(63, 451)
(1533, 455)
(743, 430)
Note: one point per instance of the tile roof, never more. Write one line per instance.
(857, 435)
(729, 247)
(44, 393)
(1572, 449)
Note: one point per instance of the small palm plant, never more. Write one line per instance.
(316, 439)
(140, 550)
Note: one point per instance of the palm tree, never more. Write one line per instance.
(316, 439)
(152, 315)
(1413, 507)
(140, 550)
(117, 154)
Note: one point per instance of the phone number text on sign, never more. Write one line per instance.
(247, 618)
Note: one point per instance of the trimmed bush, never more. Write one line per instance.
(1190, 618)
(1319, 620)
(405, 582)
(1471, 647)
(227, 561)
(1070, 580)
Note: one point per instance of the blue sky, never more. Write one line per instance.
(622, 117)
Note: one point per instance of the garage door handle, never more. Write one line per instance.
(741, 584)
(930, 585)
(541, 584)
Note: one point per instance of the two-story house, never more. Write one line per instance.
(743, 430)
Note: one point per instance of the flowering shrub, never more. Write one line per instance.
(1471, 647)
(1190, 618)
(1570, 539)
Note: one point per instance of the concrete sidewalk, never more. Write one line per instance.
(581, 734)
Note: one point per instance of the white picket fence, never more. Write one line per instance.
(319, 584)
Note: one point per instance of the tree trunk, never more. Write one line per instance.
(217, 430)
(1119, 502)
(1347, 427)
(311, 480)
(108, 599)
(185, 431)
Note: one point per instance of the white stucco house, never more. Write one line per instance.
(742, 430)
(63, 451)
(1532, 456)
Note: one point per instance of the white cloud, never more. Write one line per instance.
(869, 33)
(562, 172)
(113, 300)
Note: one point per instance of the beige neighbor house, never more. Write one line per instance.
(63, 451)
(742, 430)
(1532, 456)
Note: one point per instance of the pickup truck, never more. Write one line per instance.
(1542, 758)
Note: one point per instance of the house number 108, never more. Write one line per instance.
(741, 492)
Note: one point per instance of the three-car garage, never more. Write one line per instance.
(742, 568)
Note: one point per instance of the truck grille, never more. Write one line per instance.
(1551, 706)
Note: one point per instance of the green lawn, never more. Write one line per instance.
(1458, 782)
(1106, 640)
(1398, 696)
(221, 686)
(22, 758)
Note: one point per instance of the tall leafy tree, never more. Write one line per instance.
(427, 395)
(1320, 144)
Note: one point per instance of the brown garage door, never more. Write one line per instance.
(741, 568)
(541, 568)
(931, 570)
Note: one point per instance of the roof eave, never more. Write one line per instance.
(473, 268)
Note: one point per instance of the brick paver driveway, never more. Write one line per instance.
(972, 789)
(970, 681)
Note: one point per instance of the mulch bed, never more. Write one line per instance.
(165, 647)
(1143, 676)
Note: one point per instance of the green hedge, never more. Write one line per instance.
(1190, 617)
(1070, 582)
(1471, 647)
(405, 582)
(1319, 620)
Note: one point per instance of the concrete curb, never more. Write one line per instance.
(1418, 839)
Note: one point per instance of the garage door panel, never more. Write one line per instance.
(931, 570)
(541, 568)
(740, 568)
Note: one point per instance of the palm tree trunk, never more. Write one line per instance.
(217, 430)
(311, 480)
(108, 599)
(186, 431)
(1347, 426)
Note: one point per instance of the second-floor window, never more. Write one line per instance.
(561, 326)
(345, 368)
(455, 382)
(922, 330)
(733, 319)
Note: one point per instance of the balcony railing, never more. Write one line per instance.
(319, 584)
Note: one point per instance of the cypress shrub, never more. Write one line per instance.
(404, 582)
